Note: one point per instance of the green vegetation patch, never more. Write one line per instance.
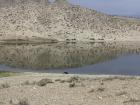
(7, 74)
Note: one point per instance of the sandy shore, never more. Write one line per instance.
(63, 89)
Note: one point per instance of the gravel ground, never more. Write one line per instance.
(62, 89)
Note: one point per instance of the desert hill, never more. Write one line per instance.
(61, 21)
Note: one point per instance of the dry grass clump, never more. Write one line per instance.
(58, 80)
(91, 91)
(101, 89)
(4, 85)
(132, 100)
(1, 103)
(23, 101)
(119, 78)
(28, 83)
(73, 79)
(44, 82)
(72, 85)
(69, 80)
(121, 93)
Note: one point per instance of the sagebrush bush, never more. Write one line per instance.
(23, 102)
(4, 85)
(43, 82)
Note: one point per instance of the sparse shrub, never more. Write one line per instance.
(72, 85)
(121, 93)
(100, 89)
(132, 100)
(92, 38)
(119, 78)
(73, 79)
(58, 80)
(43, 82)
(25, 83)
(23, 102)
(91, 91)
(28, 83)
(69, 80)
(97, 90)
(4, 85)
(100, 39)
(62, 81)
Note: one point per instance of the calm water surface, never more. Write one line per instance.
(83, 58)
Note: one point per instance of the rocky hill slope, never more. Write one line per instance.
(60, 21)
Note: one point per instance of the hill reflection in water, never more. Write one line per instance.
(64, 55)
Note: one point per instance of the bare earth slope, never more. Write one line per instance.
(61, 21)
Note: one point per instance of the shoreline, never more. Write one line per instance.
(50, 41)
(92, 76)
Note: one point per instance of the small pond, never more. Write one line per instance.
(82, 58)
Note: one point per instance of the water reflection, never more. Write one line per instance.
(64, 55)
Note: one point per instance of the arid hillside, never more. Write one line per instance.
(61, 21)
